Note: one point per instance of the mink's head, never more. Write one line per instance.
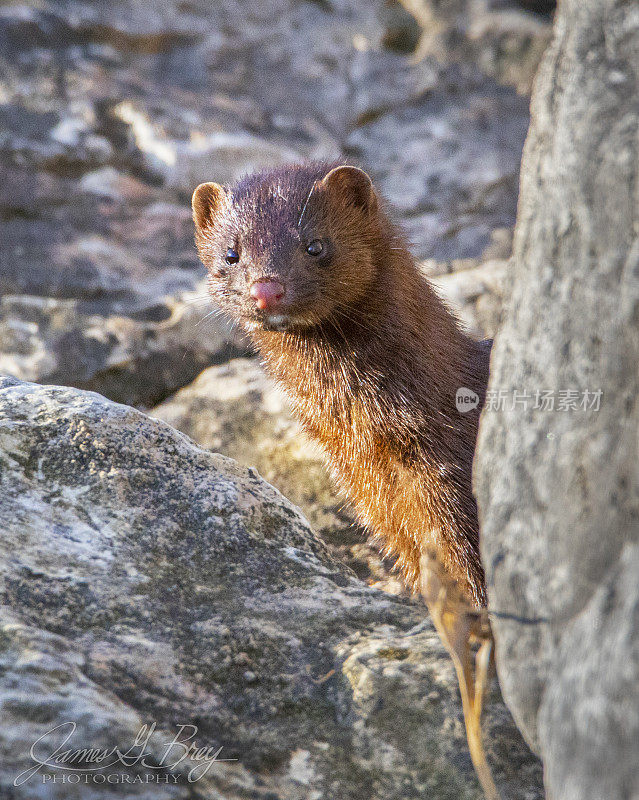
(288, 248)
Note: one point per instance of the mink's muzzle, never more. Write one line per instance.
(242, 308)
(266, 301)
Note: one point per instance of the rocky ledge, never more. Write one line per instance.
(148, 582)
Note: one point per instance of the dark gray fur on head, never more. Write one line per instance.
(278, 201)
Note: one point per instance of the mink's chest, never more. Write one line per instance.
(374, 452)
(363, 424)
(396, 496)
(385, 455)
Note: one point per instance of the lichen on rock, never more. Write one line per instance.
(145, 580)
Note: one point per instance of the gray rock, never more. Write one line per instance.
(452, 171)
(116, 249)
(235, 409)
(217, 156)
(498, 36)
(558, 491)
(223, 157)
(139, 360)
(98, 279)
(145, 580)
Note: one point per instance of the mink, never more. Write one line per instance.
(308, 260)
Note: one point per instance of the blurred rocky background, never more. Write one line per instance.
(112, 112)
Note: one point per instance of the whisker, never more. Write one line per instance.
(200, 298)
(344, 310)
(206, 316)
(299, 221)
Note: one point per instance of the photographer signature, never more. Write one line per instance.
(182, 748)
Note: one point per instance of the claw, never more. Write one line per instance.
(460, 626)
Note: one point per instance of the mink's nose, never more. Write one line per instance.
(267, 294)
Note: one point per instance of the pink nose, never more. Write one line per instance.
(267, 294)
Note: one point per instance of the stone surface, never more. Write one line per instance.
(558, 491)
(111, 115)
(236, 410)
(138, 360)
(501, 37)
(452, 169)
(107, 240)
(144, 580)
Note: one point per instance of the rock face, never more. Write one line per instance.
(135, 359)
(110, 116)
(453, 179)
(475, 295)
(235, 409)
(505, 43)
(558, 490)
(146, 581)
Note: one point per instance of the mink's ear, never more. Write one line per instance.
(353, 185)
(205, 202)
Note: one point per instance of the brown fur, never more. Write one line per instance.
(369, 356)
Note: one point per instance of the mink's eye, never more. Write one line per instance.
(315, 247)
(231, 256)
